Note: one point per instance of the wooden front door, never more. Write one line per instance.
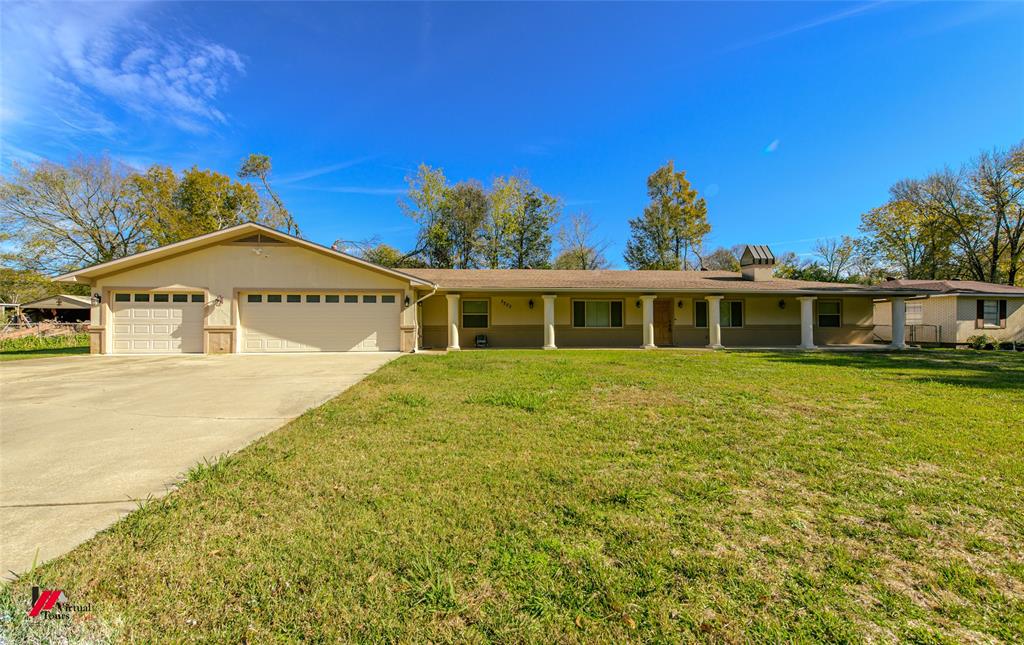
(662, 323)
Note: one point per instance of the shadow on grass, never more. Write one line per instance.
(45, 352)
(998, 370)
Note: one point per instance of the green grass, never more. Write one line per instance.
(595, 496)
(16, 349)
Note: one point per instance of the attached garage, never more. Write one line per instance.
(248, 289)
(278, 321)
(158, 323)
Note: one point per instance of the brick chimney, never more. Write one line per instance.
(757, 262)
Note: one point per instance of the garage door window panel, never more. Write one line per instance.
(142, 297)
(180, 297)
(313, 298)
(351, 299)
(122, 297)
(370, 300)
(254, 297)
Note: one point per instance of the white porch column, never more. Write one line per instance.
(714, 321)
(807, 322)
(549, 321)
(648, 321)
(899, 321)
(453, 321)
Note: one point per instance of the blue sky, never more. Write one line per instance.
(791, 118)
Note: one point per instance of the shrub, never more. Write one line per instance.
(981, 341)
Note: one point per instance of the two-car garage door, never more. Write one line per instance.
(319, 322)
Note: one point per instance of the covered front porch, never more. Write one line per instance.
(552, 320)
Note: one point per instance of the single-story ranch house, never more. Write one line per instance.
(955, 310)
(249, 288)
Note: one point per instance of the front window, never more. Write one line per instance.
(475, 314)
(730, 313)
(597, 313)
(991, 313)
(829, 313)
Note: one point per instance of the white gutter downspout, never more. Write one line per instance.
(419, 327)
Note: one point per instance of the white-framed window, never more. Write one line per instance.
(991, 316)
(915, 313)
(597, 313)
(830, 313)
(476, 314)
(122, 297)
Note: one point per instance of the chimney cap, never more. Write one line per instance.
(757, 254)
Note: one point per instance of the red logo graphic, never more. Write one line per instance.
(46, 600)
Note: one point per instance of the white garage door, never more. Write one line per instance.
(319, 322)
(158, 323)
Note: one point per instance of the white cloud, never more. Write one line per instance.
(772, 147)
(69, 68)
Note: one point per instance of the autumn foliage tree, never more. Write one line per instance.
(670, 232)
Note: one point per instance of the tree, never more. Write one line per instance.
(197, 202)
(906, 237)
(670, 232)
(997, 181)
(576, 246)
(65, 217)
(464, 211)
(257, 166)
(425, 204)
(388, 256)
(527, 243)
(837, 257)
(721, 259)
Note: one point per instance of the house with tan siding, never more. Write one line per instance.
(252, 289)
(956, 310)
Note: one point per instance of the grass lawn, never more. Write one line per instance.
(43, 347)
(598, 496)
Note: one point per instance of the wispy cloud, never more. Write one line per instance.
(323, 170)
(772, 147)
(68, 66)
(808, 25)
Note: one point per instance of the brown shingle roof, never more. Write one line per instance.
(605, 280)
(970, 287)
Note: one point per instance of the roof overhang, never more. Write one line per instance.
(89, 274)
(709, 291)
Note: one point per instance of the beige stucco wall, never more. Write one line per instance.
(223, 269)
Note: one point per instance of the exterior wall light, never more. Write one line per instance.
(529, 303)
(218, 301)
(782, 303)
(679, 304)
(96, 298)
(406, 302)
(638, 303)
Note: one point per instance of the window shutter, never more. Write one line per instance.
(1002, 314)
(979, 315)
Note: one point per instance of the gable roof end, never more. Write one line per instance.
(223, 235)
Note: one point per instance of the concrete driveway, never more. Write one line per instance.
(83, 437)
